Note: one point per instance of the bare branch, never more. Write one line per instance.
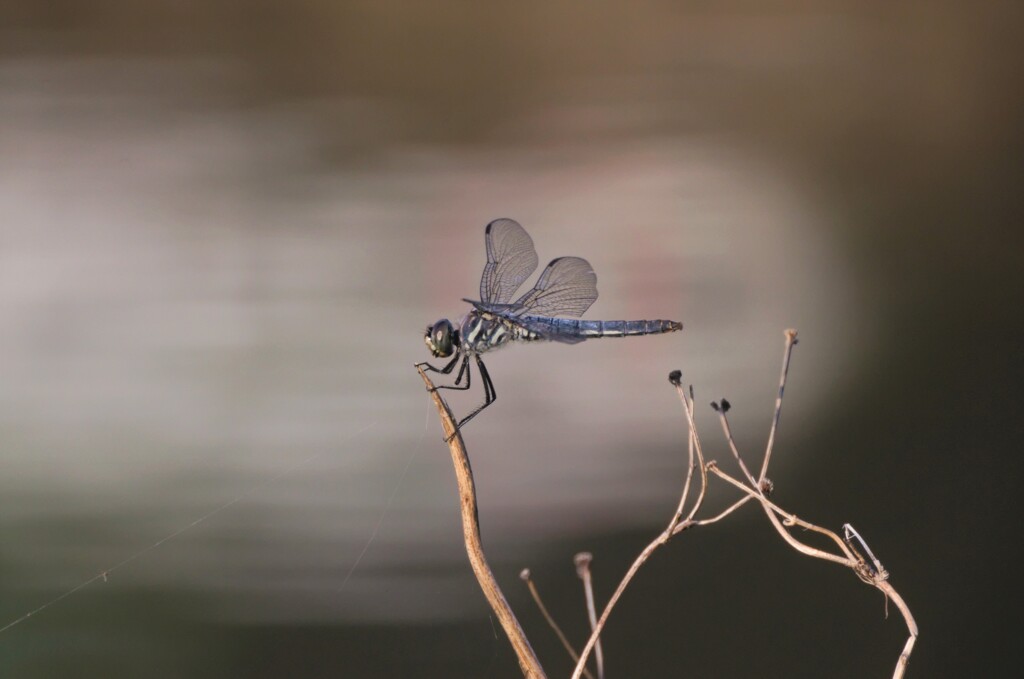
(908, 648)
(525, 577)
(626, 579)
(582, 561)
(790, 343)
(695, 442)
(771, 509)
(714, 519)
(873, 573)
(528, 661)
(722, 410)
(675, 377)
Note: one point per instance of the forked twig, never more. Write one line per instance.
(772, 509)
(528, 661)
(871, 573)
(717, 517)
(676, 525)
(759, 488)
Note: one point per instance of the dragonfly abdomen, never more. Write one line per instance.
(581, 329)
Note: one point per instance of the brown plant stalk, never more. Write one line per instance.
(528, 661)
(758, 489)
(676, 524)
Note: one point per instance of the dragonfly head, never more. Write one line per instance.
(441, 338)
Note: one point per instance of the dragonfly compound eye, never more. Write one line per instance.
(439, 338)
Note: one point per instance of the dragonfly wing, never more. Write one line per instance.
(567, 287)
(511, 258)
(506, 310)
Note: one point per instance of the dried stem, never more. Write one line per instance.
(772, 509)
(691, 464)
(758, 489)
(788, 353)
(525, 577)
(675, 525)
(714, 519)
(908, 648)
(528, 661)
(582, 561)
(696, 448)
(722, 410)
(871, 573)
(626, 579)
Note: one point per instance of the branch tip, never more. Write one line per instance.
(524, 575)
(582, 561)
(676, 378)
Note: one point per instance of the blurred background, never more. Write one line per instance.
(224, 227)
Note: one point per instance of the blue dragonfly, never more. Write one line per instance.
(566, 288)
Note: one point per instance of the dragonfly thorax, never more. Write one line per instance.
(482, 332)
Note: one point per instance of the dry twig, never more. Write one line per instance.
(676, 525)
(528, 661)
(582, 561)
(869, 569)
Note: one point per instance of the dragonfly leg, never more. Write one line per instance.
(488, 384)
(490, 395)
(445, 370)
(463, 370)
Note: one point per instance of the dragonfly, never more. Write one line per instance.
(566, 288)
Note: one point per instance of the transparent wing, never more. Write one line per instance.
(567, 287)
(511, 259)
